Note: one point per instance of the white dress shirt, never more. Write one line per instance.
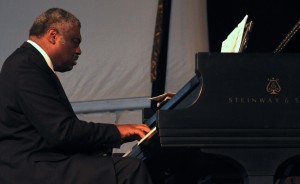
(45, 55)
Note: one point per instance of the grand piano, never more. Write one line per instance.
(236, 121)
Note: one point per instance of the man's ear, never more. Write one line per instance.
(52, 35)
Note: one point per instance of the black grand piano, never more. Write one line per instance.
(236, 121)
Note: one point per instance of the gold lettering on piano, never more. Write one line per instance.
(263, 100)
(273, 86)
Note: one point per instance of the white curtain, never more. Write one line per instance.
(116, 47)
(188, 35)
(117, 43)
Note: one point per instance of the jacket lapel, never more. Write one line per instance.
(39, 60)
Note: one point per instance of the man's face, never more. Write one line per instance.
(67, 49)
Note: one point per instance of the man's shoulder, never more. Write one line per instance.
(26, 54)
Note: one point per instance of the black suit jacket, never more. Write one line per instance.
(41, 139)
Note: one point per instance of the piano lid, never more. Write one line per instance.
(242, 91)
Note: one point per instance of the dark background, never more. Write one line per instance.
(273, 20)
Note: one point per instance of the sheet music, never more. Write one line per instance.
(233, 42)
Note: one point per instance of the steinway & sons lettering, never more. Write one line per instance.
(262, 100)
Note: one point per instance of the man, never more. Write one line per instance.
(41, 139)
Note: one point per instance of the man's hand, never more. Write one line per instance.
(162, 99)
(131, 132)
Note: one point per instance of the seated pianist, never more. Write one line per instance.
(41, 138)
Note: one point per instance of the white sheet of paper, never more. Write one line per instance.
(233, 42)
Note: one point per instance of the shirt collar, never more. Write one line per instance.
(45, 55)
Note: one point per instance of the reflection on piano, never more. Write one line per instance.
(236, 121)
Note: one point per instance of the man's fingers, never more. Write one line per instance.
(141, 130)
(143, 127)
(132, 130)
(141, 133)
